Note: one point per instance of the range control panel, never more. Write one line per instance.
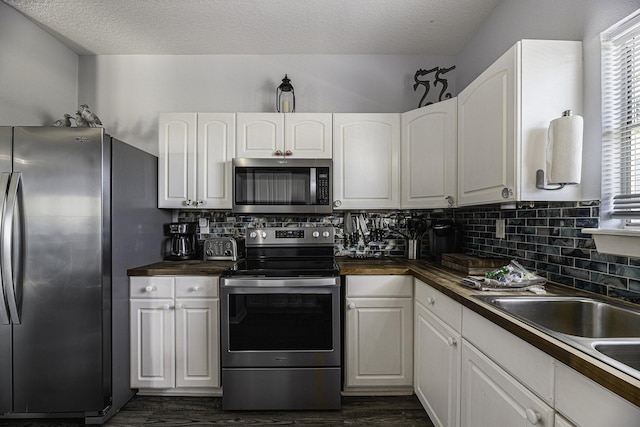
(299, 236)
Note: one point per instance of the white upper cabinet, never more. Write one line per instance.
(503, 118)
(194, 165)
(177, 160)
(260, 134)
(296, 135)
(366, 161)
(428, 156)
(308, 135)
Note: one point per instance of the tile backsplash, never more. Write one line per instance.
(545, 237)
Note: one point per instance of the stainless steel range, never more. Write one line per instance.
(281, 322)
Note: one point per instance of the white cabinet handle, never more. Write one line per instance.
(451, 341)
(196, 288)
(150, 288)
(431, 301)
(166, 307)
(179, 306)
(352, 305)
(532, 416)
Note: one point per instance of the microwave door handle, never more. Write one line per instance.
(4, 312)
(7, 247)
(313, 186)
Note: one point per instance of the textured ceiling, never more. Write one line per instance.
(105, 27)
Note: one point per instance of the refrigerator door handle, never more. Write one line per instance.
(6, 258)
(4, 311)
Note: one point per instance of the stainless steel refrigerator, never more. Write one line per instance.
(78, 209)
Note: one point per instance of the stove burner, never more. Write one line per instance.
(284, 268)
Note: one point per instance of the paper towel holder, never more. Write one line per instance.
(541, 185)
(540, 177)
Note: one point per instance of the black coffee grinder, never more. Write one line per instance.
(445, 236)
(182, 241)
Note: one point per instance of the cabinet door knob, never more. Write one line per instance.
(506, 193)
(179, 306)
(337, 204)
(352, 305)
(450, 200)
(532, 416)
(278, 153)
(451, 341)
(287, 153)
(431, 301)
(196, 288)
(188, 202)
(166, 307)
(149, 288)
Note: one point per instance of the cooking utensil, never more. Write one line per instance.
(348, 229)
(364, 228)
(421, 228)
(348, 223)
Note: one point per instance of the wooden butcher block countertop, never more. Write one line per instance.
(447, 281)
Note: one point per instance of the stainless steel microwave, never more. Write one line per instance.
(282, 186)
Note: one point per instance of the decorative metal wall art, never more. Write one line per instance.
(438, 80)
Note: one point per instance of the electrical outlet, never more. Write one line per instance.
(500, 229)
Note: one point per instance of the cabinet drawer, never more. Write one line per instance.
(196, 287)
(379, 286)
(439, 304)
(531, 366)
(151, 287)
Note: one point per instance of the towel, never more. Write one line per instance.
(483, 284)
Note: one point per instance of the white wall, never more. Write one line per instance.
(513, 20)
(128, 92)
(38, 75)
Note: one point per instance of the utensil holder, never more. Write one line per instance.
(413, 249)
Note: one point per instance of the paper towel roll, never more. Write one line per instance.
(564, 150)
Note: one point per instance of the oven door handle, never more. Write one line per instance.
(299, 284)
(250, 290)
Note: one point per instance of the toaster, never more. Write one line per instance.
(223, 248)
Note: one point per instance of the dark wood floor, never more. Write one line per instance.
(404, 411)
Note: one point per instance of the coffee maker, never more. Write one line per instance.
(445, 236)
(182, 241)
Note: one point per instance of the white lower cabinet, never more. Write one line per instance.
(437, 354)
(588, 404)
(379, 334)
(492, 397)
(175, 326)
(562, 421)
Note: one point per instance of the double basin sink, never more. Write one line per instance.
(608, 331)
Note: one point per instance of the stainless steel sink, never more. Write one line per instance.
(606, 330)
(581, 317)
(627, 353)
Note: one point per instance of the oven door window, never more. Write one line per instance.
(260, 186)
(274, 322)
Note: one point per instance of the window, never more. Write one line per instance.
(619, 231)
(621, 125)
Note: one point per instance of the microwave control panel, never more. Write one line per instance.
(322, 194)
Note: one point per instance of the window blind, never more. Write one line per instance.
(621, 120)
